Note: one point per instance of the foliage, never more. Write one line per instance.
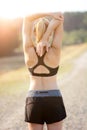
(75, 37)
(75, 21)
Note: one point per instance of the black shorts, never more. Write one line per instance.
(44, 106)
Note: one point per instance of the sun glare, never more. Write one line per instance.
(18, 8)
(11, 9)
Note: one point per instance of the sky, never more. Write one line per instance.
(16, 8)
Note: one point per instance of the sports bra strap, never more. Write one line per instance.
(52, 71)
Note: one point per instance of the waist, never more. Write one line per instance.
(42, 93)
(43, 83)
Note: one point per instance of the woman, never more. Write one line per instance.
(44, 101)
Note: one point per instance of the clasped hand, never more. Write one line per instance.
(41, 46)
(58, 16)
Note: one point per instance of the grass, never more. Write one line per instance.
(16, 82)
(72, 51)
(68, 54)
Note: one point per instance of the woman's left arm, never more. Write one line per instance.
(26, 34)
(27, 42)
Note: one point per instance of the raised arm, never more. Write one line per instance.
(56, 15)
(27, 27)
(27, 42)
(57, 41)
(52, 26)
(26, 34)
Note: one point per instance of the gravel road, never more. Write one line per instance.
(74, 90)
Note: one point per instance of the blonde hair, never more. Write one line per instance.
(39, 28)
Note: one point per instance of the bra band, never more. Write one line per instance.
(52, 71)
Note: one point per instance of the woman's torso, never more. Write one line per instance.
(51, 58)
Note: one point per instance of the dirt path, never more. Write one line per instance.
(74, 90)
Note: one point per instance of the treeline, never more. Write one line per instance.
(75, 26)
(75, 21)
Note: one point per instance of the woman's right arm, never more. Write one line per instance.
(51, 28)
(58, 37)
(56, 15)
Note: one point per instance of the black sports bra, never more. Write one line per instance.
(52, 71)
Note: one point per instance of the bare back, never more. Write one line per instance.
(51, 59)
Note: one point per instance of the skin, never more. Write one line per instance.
(52, 59)
(44, 41)
(56, 15)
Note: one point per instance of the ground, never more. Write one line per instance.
(73, 86)
(74, 89)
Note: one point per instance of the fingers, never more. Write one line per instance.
(58, 16)
(61, 18)
(47, 46)
(40, 48)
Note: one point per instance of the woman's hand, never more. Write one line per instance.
(41, 46)
(58, 16)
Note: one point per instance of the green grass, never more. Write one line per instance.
(12, 88)
(14, 83)
(65, 68)
(68, 55)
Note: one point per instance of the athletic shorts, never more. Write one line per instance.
(44, 107)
